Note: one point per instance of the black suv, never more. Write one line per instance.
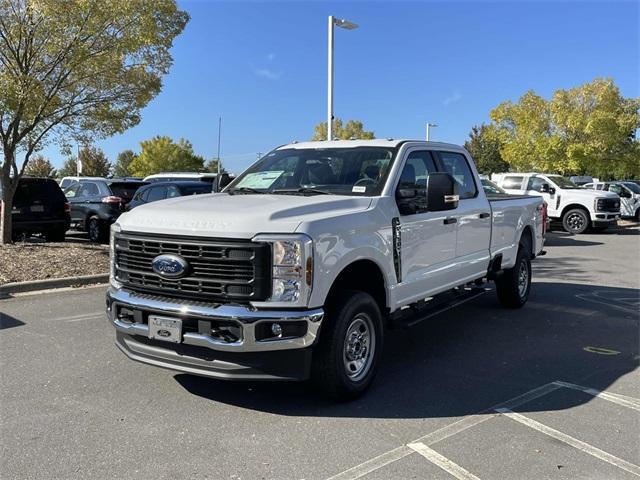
(96, 204)
(161, 190)
(39, 206)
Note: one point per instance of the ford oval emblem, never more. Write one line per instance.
(170, 266)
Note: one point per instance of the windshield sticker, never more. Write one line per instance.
(260, 179)
(359, 189)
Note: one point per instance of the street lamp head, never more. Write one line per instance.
(346, 24)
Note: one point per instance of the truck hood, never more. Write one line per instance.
(588, 194)
(236, 216)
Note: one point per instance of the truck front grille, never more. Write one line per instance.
(608, 205)
(224, 271)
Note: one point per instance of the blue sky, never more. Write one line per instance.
(262, 67)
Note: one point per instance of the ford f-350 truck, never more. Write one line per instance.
(300, 265)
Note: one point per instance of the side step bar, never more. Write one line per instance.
(416, 313)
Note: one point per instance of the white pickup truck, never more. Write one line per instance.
(297, 268)
(577, 208)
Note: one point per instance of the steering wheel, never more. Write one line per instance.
(365, 182)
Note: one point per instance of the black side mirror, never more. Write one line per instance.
(544, 188)
(552, 191)
(441, 192)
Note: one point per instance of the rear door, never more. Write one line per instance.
(627, 202)
(83, 198)
(427, 244)
(473, 217)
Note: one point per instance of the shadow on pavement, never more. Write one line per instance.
(557, 239)
(7, 321)
(469, 359)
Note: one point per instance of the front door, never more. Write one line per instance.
(538, 186)
(427, 243)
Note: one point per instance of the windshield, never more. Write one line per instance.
(562, 182)
(313, 171)
(633, 187)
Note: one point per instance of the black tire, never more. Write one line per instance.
(352, 328)
(56, 235)
(576, 221)
(96, 230)
(514, 285)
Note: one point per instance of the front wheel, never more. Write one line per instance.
(575, 221)
(346, 359)
(514, 284)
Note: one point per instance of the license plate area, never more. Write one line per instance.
(165, 328)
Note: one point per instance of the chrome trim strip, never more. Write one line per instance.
(246, 317)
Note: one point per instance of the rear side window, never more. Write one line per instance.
(196, 190)
(513, 183)
(88, 189)
(456, 164)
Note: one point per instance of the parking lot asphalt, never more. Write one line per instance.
(549, 391)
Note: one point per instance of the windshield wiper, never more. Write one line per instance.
(232, 191)
(301, 190)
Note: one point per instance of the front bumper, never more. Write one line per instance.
(601, 219)
(246, 357)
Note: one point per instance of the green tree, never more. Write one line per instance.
(68, 168)
(588, 129)
(212, 166)
(161, 154)
(39, 166)
(352, 129)
(121, 168)
(94, 162)
(484, 146)
(76, 70)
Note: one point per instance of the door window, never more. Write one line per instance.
(88, 189)
(417, 168)
(172, 191)
(156, 193)
(72, 191)
(536, 183)
(456, 164)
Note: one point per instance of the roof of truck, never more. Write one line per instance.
(378, 142)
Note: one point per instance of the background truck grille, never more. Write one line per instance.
(220, 270)
(608, 205)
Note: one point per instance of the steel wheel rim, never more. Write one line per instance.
(359, 347)
(575, 221)
(523, 279)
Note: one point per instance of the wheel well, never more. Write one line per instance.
(362, 275)
(526, 238)
(573, 207)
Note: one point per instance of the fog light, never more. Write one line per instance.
(276, 329)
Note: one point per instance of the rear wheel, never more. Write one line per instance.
(346, 359)
(96, 230)
(575, 221)
(514, 284)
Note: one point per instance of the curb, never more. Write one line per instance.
(49, 283)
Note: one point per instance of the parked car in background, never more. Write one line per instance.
(217, 184)
(576, 208)
(67, 181)
(40, 207)
(162, 190)
(629, 193)
(97, 203)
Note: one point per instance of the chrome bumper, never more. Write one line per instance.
(245, 317)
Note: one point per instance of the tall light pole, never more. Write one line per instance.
(346, 25)
(430, 125)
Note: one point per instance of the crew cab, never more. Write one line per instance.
(297, 268)
(576, 208)
(629, 193)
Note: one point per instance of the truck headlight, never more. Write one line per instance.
(291, 269)
(115, 228)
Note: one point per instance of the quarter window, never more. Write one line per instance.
(512, 183)
(456, 164)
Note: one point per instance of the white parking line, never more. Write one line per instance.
(623, 400)
(443, 462)
(81, 316)
(569, 440)
(443, 433)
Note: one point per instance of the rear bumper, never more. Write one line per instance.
(41, 225)
(252, 355)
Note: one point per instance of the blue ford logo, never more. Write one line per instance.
(170, 266)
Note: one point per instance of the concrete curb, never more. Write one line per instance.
(49, 283)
